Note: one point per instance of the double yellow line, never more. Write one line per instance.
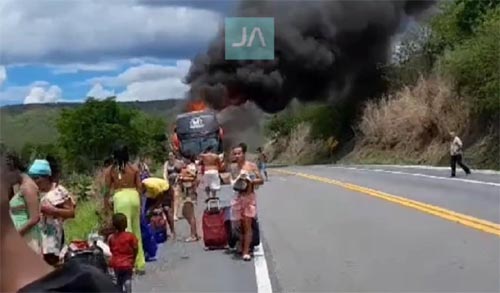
(475, 223)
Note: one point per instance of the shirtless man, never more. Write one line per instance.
(211, 166)
(244, 207)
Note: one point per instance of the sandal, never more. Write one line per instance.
(247, 257)
(192, 239)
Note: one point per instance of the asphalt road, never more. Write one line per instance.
(324, 237)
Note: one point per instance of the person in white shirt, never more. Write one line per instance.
(456, 153)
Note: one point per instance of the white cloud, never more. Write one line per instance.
(40, 94)
(99, 92)
(3, 74)
(92, 31)
(18, 93)
(162, 89)
(79, 67)
(145, 72)
(146, 82)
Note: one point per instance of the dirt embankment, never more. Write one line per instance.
(410, 126)
(299, 148)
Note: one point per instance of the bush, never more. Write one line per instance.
(324, 121)
(281, 125)
(80, 186)
(414, 122)
(31, 151)
(473, 66)
(457, 22)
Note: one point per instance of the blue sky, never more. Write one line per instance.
(58, 51)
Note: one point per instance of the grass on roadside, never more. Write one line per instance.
(85, 221)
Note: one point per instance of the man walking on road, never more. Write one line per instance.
(456, 152)
(211, 165)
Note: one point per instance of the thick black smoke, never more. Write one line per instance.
(324, 50)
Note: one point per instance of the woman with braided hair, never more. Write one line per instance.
(123, 183)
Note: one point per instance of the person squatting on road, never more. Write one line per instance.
(187, 181)
(244, 206)
(211, 163)
(22, 268)
(456, 153)
(124, 248)
(160, 194)
(124, 184)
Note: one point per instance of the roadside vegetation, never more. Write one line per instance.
(445, 78)
(82, 139)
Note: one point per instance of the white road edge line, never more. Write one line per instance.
(420, 175)
(261, 271)
(426, 167)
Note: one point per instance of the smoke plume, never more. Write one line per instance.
(241, 124)
(324, 50)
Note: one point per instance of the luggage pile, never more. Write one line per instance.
(219, 232)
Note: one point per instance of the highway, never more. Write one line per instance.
(352, 229)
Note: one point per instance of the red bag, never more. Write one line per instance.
(158, 222)
(214, 228)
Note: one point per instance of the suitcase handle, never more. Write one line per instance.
(212, 200)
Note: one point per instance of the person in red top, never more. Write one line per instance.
(124, 247)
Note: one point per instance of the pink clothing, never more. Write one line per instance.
(244, 206)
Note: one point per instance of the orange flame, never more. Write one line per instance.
(198, 105)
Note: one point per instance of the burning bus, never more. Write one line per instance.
(195, 131)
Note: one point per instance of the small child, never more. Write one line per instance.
(124, 247)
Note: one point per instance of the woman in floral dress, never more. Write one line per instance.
(57, 205)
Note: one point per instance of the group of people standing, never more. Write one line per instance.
(131, 193)
(40, 205)
(33, 207)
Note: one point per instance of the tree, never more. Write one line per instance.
(87, 134)
(473, 66)
(458, 21)
(151, 136)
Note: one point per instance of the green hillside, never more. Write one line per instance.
(21, 124)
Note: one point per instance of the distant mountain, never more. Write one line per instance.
(35, 123)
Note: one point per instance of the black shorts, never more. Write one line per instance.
(166, 204)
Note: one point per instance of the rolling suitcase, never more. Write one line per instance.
(213, 224)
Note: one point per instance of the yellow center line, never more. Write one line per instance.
(469, 221)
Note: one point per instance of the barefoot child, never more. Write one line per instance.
(124, 247)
